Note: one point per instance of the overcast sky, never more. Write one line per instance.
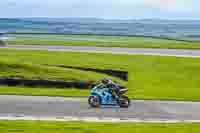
(109, 9)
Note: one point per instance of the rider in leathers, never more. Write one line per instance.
(112, 87)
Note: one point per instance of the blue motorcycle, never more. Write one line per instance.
(105, 96)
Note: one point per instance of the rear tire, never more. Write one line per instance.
(94, 101)
(124, 102)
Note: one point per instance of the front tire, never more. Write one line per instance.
(124, 102)
(94, 101)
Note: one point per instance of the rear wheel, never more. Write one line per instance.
(124, 102)
(94, 101)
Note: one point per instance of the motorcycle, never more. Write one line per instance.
(105, 96)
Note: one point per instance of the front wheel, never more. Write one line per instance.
(124, 102)
(94, 101)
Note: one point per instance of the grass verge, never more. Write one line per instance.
(81, 127)
(95, 40)
(150, 77)
(25, 70)
(29, 91)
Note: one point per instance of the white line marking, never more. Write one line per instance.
(95, 119)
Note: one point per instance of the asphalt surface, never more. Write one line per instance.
(59, 107)
(114, 50)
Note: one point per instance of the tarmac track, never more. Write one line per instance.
(59, 108)
(113, 50)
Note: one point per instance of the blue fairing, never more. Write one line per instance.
(105, 95)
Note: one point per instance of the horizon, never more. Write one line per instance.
(120, 19)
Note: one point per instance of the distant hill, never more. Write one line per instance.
(181, 29)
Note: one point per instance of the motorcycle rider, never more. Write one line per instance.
(112, 87)
(108, 92)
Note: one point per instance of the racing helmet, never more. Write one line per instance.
(105, 81)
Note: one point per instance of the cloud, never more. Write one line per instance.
(100, 8)
(170, 5)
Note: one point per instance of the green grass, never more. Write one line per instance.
(94, 40)
(150, 77)
(81, 127)
(28, 91)
(25, 70)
